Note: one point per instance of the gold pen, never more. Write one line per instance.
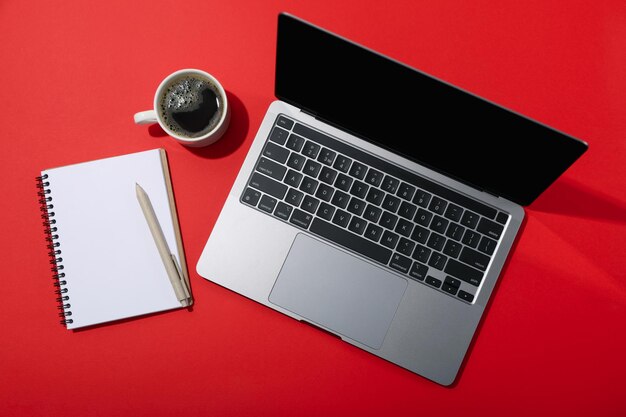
(169, 260)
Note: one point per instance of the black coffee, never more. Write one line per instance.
(191, 106)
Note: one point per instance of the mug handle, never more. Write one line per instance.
(145, 117)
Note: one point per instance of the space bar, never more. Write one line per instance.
(351, 241)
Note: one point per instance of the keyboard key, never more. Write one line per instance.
(268, 185)
(340, 199)
(326, 211)
(309, 204)
(453, 212)
(267, 203)
(341, 218)
(400, 263)
(301, 218)
(490, 228)
(433, 281)
(284, 122)
(357, 225)
(420, 234)
(342, 163)
(436, 241)
(404, 227)
(351, 241)
(328, 175)
(294, 197)
(279, 135)
(311, 149)
(437, 260)
(471, 238)
(373, 232)
(439, 224)
(423, 217)
(449, 289)
(406, 191)
(326, 156)
(388, 220)
(437, 205)
(271, 168)
(375, 196)
(295, 142)
(275, 152)
(374, 177)
(372, 213)
(312, 168)
(359, 189)
(324, 192)
(455, 231)
(358, 170)
(250, 196)
(283, 210)
(418, 271)
(474, 258)
(469, 219)
(422, 198)
(293, 178)
(502, 218)
(296, 161)
(466, 296)
(453, 282)
(308, 185)
(407, 210)
(343, 182)
(389, 239)
(421, 253)
(452, 248)
(391, 203)
(487, 245)
(463, 272)
(405, 246)
(356, 206)
(390, 184)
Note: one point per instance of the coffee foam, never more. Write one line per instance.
(185, 96)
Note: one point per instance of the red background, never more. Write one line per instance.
(73, 74)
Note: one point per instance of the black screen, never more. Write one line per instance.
(418, 116)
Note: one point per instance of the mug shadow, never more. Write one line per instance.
(571, 198)
(227, 144)
(156, 131)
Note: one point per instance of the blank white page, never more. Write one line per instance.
(111, 263)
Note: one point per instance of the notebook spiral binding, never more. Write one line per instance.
(50, 230)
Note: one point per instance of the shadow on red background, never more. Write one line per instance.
(232, 139)
(571, 198)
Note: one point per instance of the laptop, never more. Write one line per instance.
(379, 203)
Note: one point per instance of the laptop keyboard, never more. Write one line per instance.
(385, 213)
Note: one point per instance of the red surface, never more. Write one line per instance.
(74, 73)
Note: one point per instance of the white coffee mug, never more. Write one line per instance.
(191, 106)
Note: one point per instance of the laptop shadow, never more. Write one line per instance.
(571, 198)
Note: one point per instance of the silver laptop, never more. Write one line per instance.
(379, 203)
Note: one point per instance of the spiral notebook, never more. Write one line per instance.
(105, 263)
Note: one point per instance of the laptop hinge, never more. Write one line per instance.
(490, 193)
(308, 113)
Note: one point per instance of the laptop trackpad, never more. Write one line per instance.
(338, 291)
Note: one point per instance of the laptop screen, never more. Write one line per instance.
(414, 114)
